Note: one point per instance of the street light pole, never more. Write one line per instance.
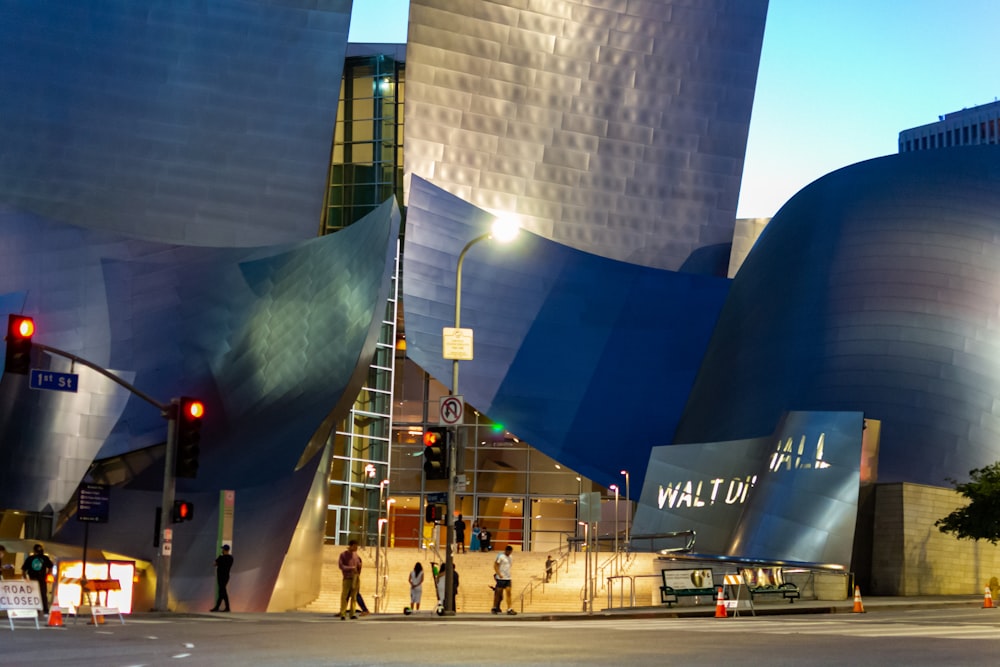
(382, 486)
(503, 231)
(614, 487)
(628, 512)
(586, 567)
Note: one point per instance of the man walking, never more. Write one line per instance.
(460, 535)
(223, 564)
(501, 572)
(37, 567)
(350, 566)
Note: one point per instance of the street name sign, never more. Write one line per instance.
(53, 381)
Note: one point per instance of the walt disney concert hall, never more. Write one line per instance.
(212, 199)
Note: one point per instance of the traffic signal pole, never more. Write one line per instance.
(449, 559)
(161, 601)
(168, 410)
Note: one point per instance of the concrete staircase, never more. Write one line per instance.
(475, 571)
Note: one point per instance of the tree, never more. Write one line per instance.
(980, 519)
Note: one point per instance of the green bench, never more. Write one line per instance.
(769, 581)
(686, 583)
(787, 590)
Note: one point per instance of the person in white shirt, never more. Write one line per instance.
(501, 573)
(416, 585)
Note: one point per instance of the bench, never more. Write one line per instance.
(787, 590)
(769, 580)
(686, 583)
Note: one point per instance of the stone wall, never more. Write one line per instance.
(910, 556)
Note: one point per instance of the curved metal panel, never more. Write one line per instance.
(790, 496)
(874, 289)
(614, 128)
(205, 123)
(275, 340)
(588, 359)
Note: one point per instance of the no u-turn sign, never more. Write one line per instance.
(451, 409)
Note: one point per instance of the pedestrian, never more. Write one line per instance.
(416, 586)
(460, 535)
(474, 540)
(223, 565)
(501, 573)
(350, 566)
(361, 605)
(484, 539)
(37, 567)
(549, 567)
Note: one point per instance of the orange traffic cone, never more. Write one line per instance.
(720, 605)
(55, 617)
(988, 599)
(859, 608)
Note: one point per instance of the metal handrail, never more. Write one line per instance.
(539, 582)
(688, 545)
(631, 580)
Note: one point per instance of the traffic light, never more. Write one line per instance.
(434, 512)
(190, 412)
(20, 329)
(436, 453)
(183, 511)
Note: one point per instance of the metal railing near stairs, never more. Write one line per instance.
(687, 535)
(538, 582)
(622, 580)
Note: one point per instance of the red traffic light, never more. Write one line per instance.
(190, 412)
(432, 438)
(183, 511)
(21, 327)
(193, 409)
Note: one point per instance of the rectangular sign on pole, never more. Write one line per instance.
(590, 507)
(457, 344)
(93, 504)
(227, 511)
(53, 381)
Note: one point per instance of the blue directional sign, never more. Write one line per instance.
(53, 381)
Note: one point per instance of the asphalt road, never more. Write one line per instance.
(965, 636)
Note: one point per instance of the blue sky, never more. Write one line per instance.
(838, 80)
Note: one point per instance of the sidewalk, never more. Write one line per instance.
(871, 605)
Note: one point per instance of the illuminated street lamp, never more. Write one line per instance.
(370, 474)
(628, 513)
(503, 230)
(391, 536)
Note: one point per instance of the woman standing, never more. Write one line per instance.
(416, 585)
(474, 540)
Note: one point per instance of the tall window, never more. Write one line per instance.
(366, 165)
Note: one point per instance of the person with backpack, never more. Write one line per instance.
(37, 567)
